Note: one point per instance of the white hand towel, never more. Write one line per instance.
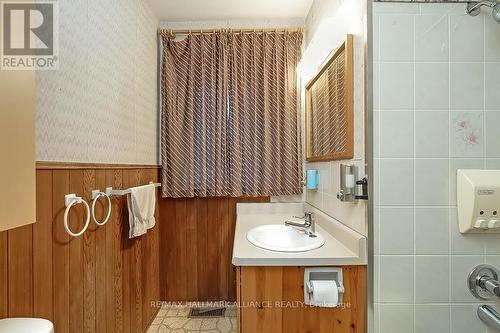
(141, 204)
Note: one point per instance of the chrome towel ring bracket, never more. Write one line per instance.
(96, 194)
(69, 201)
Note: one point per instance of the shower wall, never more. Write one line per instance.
(436, 109)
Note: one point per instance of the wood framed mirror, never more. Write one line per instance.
(330, 107)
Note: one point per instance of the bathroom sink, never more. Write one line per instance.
(282, 238)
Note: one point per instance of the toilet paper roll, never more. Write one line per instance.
(325, 293)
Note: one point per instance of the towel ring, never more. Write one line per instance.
(96, 194)
(70, 201)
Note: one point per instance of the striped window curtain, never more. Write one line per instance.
(230, 119)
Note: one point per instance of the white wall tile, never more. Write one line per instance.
(461, 163)
(432, 134)
(396, 279)
(464, 319)
(396, 230)
(376, 134)
(315, 198)
(492, 81)
(467, 134)
(431, 38)
(432, 318)
(376, 39)
(396, 86)
(455, 99)
(376, 182)
(465, 44)
(376, 230)
(493, 163)
(432, 230)
(431, 182)
(396, 134)
(494, 260)
(492, 133)
(442, 8)
(461, 266)
(396, 318)
(464, 243)
(395, 8)
(376, 86)
(397, 185)
(438, 290)
(376, 318)
(431, 86)
(452, 130)
(492, 42)
(396, 27)
(467, 86)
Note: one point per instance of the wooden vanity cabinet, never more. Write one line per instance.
(270, 301)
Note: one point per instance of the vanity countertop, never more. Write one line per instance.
(347, 247)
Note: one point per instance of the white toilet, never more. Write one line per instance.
(26, 325)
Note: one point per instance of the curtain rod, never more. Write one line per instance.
(173, 32)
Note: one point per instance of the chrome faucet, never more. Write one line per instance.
(309, 225)
(490, 284)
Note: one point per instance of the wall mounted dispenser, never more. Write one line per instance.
(323, 286)
(312, 179)
(478, 201)
(352, 189)
(348, 176)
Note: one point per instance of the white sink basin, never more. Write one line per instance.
(282, 238)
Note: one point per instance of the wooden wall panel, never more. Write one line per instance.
(127, 287)
(4, 311)
(42, 248)
(196, 248)
(89, 259)
(76, 257)
(20, 271)
(116, 222)
(60, 252)
(100, 282)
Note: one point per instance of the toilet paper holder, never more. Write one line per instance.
(322, 274)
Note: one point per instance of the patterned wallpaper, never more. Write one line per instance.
(101, 104)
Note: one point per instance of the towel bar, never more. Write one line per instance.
(110, 192)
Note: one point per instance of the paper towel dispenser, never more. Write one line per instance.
(478, 201)
(323, 286)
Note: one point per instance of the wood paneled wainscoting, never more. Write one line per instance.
(99, 282)
(197, 247)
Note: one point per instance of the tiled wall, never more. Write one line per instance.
(334, 19)
(101, 104)
(437, 109)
